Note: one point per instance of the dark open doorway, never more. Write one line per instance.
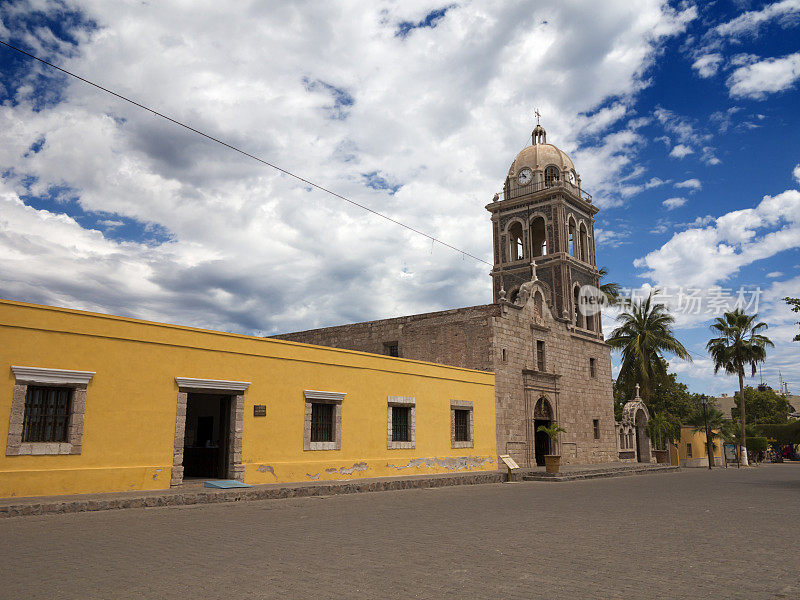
(205, 449)
(541, 441)
(542, 415)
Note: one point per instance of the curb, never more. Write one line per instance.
(598, 474)
(56, 506)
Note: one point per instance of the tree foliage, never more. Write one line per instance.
(663, 427)
(609, 289)
(739, 343)
(672, 397)
(762, 406)
(788, 433)
(643, 336)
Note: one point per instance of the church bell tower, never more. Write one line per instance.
(543, 227)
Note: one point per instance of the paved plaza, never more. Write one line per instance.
(690, 534)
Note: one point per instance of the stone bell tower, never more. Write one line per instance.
(544, 216)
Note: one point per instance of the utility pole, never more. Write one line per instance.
(704, 402)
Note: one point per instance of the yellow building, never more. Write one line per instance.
(692, 449)
(97, 403)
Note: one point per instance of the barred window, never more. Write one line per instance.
(322, 422)
(592, 367)
(401, 418)
(540, 364)
(596, 428)
(461, 422)
(688, 450)
(47, 411)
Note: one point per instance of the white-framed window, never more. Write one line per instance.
(401, 422)
(47, 411)
(323, 420)
(462, 428)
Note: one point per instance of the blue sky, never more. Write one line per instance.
(680, 117)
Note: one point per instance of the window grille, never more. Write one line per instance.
(540, 355)
(401, 417)
(461, 425)
(592, 368)
(46, 414)
(688, 450)
(596, 428)
(322, 422)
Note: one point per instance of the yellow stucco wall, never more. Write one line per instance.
(697, 439)
(129, 424)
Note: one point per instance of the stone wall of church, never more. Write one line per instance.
(459, 337)
(576, 397)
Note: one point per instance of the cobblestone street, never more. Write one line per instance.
(692, 534)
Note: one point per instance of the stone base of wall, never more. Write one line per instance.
(176, 497)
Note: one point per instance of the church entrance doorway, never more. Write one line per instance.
(542, 415)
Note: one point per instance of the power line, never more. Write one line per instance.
(240, 151)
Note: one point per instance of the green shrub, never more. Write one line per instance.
(757, 444)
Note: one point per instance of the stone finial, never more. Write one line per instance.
(502, 294)
(637, 392)
(496, 198)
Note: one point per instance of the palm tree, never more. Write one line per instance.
(644, 335)
(610, 290)
(739, 343)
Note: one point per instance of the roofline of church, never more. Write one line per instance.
(489, 308)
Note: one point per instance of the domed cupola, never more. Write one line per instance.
(541, 164)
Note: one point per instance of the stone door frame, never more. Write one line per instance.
(234, 389)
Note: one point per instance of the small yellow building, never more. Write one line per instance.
(692, 449)
(98, 403)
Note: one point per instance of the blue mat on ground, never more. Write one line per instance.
(225, 484)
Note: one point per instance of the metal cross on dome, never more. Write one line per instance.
(536, 113)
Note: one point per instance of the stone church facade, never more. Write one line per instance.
(540, 335)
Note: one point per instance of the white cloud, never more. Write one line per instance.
(705, 255)
(751, 21)
(796, 173)
(315, 90)
(757, 79)
(774, 274)
(680, 151)
(691, 184)
(707, 65)
(709, 157)
(672, 203)
(612, 238)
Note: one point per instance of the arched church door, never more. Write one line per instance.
(542, 415)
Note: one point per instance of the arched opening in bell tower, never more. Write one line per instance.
(516, 249)
(584, 243)
(538, 237)
(572, 236)
(576, 301)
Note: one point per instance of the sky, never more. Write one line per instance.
(681, 119)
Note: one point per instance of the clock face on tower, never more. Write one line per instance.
(525, 176)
